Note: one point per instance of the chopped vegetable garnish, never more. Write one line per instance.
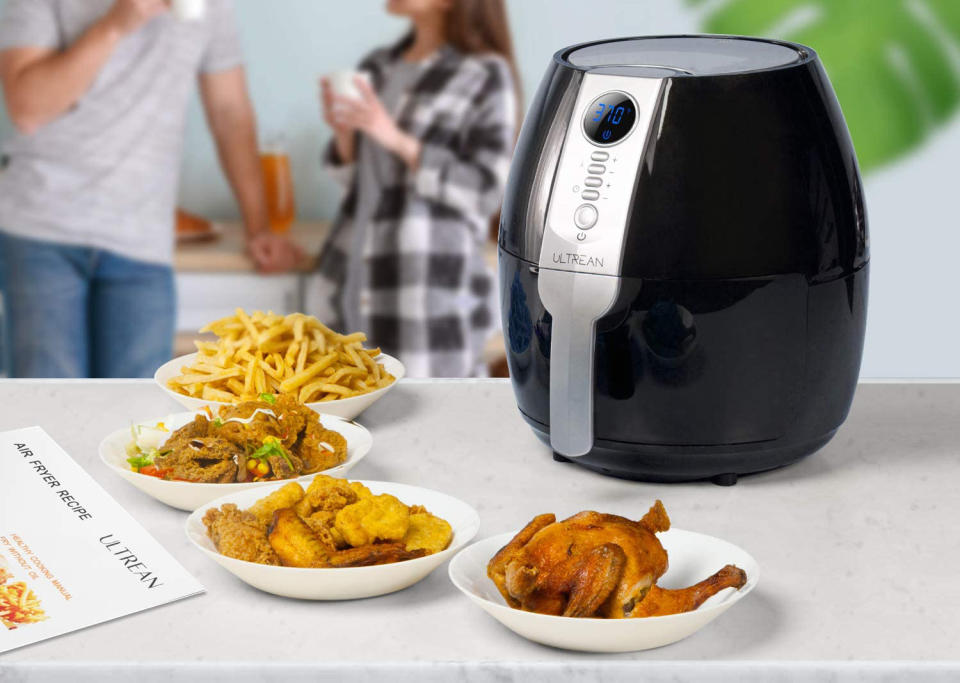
(268, 398)
(138, 462)
(271, 447)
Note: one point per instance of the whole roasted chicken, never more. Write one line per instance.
(597, 565)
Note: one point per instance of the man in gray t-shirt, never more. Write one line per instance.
(98, 92)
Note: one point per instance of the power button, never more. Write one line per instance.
(585, 216)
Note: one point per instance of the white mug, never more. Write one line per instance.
(342, 82)
(189, 10)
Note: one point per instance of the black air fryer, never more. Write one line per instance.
(683, 258)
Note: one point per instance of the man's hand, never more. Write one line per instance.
(126, 16)
(273, 253)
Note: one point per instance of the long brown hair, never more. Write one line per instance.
(482, 26)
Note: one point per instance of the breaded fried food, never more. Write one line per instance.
(323, 523)
(205, 459)
(427, 532)
(379, 553)
(239, 534)
(361, 490)
(375, 519)
(326, 494)
(321, 448)
(294, 542)
(286, 496)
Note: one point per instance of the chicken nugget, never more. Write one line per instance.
(294, 542)
(428, 532)
(285, 497)
(361, 490)
(378, 518)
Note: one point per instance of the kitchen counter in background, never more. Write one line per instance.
(857, 544)
(214, 277)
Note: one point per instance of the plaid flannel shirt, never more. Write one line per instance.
(426, 294)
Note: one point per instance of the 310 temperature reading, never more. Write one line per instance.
(609, 118)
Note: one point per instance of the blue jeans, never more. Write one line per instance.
(81, 312)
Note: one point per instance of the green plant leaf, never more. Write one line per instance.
(893, 63)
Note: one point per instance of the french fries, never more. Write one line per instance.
(18, 604)
(260, 353)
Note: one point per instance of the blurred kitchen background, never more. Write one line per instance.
(894, 63)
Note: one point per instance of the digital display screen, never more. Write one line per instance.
(609, 118)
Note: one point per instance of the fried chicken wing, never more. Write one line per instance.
(294, 542)
(597, 565)
(239, 534)
(298, 546)
(378, 553)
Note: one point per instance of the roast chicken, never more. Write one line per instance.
(597, 565)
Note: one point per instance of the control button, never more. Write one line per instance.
(590, 195)
(600, 156)
(585, 216)
(596, 169)
(592, 181)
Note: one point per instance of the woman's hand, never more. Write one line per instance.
(369, 116)
(343, 137)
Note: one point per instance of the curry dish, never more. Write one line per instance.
(597, 565)
(333, 523)
(272, 438)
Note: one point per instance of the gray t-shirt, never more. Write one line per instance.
(105, 173)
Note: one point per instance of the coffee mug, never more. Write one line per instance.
(189, 10)
(342, 82)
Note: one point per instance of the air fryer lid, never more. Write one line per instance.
(748, 169)
(689, 55)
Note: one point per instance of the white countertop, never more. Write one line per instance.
(858, 546)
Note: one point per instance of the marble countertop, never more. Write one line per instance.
(858, 546)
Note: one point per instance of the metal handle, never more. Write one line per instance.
(575, 302)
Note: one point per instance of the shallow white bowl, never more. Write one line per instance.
(187, 495)
(693, 557)
(346, 583)
(347, 408)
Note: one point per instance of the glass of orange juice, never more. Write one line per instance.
(278, 183)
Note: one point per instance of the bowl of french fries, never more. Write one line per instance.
(266, 353)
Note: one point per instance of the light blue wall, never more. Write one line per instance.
(913, 329)
(289, 43)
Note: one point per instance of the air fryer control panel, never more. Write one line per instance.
(596, 176)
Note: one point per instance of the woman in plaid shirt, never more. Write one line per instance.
(423, 155)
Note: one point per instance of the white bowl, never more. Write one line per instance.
(342, 583)
(188, 495)
(347, 408)
(693, 557)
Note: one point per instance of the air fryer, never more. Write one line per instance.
(684, 258)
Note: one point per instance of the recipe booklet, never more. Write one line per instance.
(70, 556)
